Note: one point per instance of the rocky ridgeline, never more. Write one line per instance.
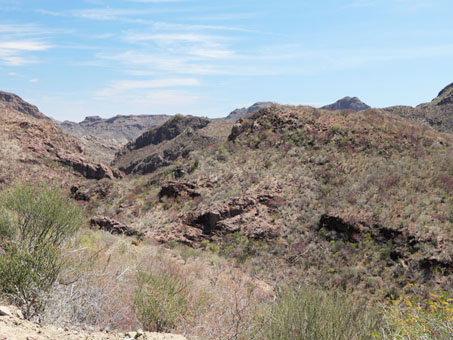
(23, 124)
(438, 113)
(13, 326)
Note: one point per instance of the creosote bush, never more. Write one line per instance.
(160, 300)
(35, 221)
(307, 313)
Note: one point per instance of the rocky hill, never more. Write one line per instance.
(103, 137)
(347, 103)
(175, 139)
(33, 147)
(438, 113)
(247, 112)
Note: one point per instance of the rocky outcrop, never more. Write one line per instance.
(347, 103)
(247, 112)
(88, 169)
(249, 215)
(402, 244)
(174, 189)
(114, 227)
(14, 327)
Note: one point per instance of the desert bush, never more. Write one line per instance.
(306, 313)
(160, 300)
(409, 319)
(35, 221)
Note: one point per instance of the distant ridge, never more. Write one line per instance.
(347, 103)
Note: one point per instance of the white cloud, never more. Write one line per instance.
(34, 80)
(11, 51)
(122, 86)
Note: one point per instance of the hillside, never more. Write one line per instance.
(173, 140)
(438, 113)
(347, 103)
(359, 200)
(33, 147)
(103, 137)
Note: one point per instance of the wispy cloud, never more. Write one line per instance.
(123, 86)
(403, 5)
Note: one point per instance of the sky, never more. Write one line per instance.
(206, 57)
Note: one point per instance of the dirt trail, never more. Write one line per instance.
(14, 327)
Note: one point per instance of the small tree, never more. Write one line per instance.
(35, 221)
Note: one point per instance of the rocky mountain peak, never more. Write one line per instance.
(247, 112)
(347, 103)
(18, 104)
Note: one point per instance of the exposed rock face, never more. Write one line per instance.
(438, 113)
(249, 215)
(247, 112)
(18, 104)
(114, 227)
(175, 139)
(103, 137)
(347, 103)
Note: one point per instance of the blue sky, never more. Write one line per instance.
(208, 57)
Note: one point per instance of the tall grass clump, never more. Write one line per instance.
(35, 222)
(307, 313)
(161, 300)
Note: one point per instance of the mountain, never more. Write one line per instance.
(33, 147)
(438, 113)
(163, 145)
(103, 137)
(347, 103)
(247, 112)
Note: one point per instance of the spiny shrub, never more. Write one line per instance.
(35, 221)
(160, 301)
(307, 313)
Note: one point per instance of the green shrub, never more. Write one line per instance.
(160, 301)
(35, 221)
(308, 313)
